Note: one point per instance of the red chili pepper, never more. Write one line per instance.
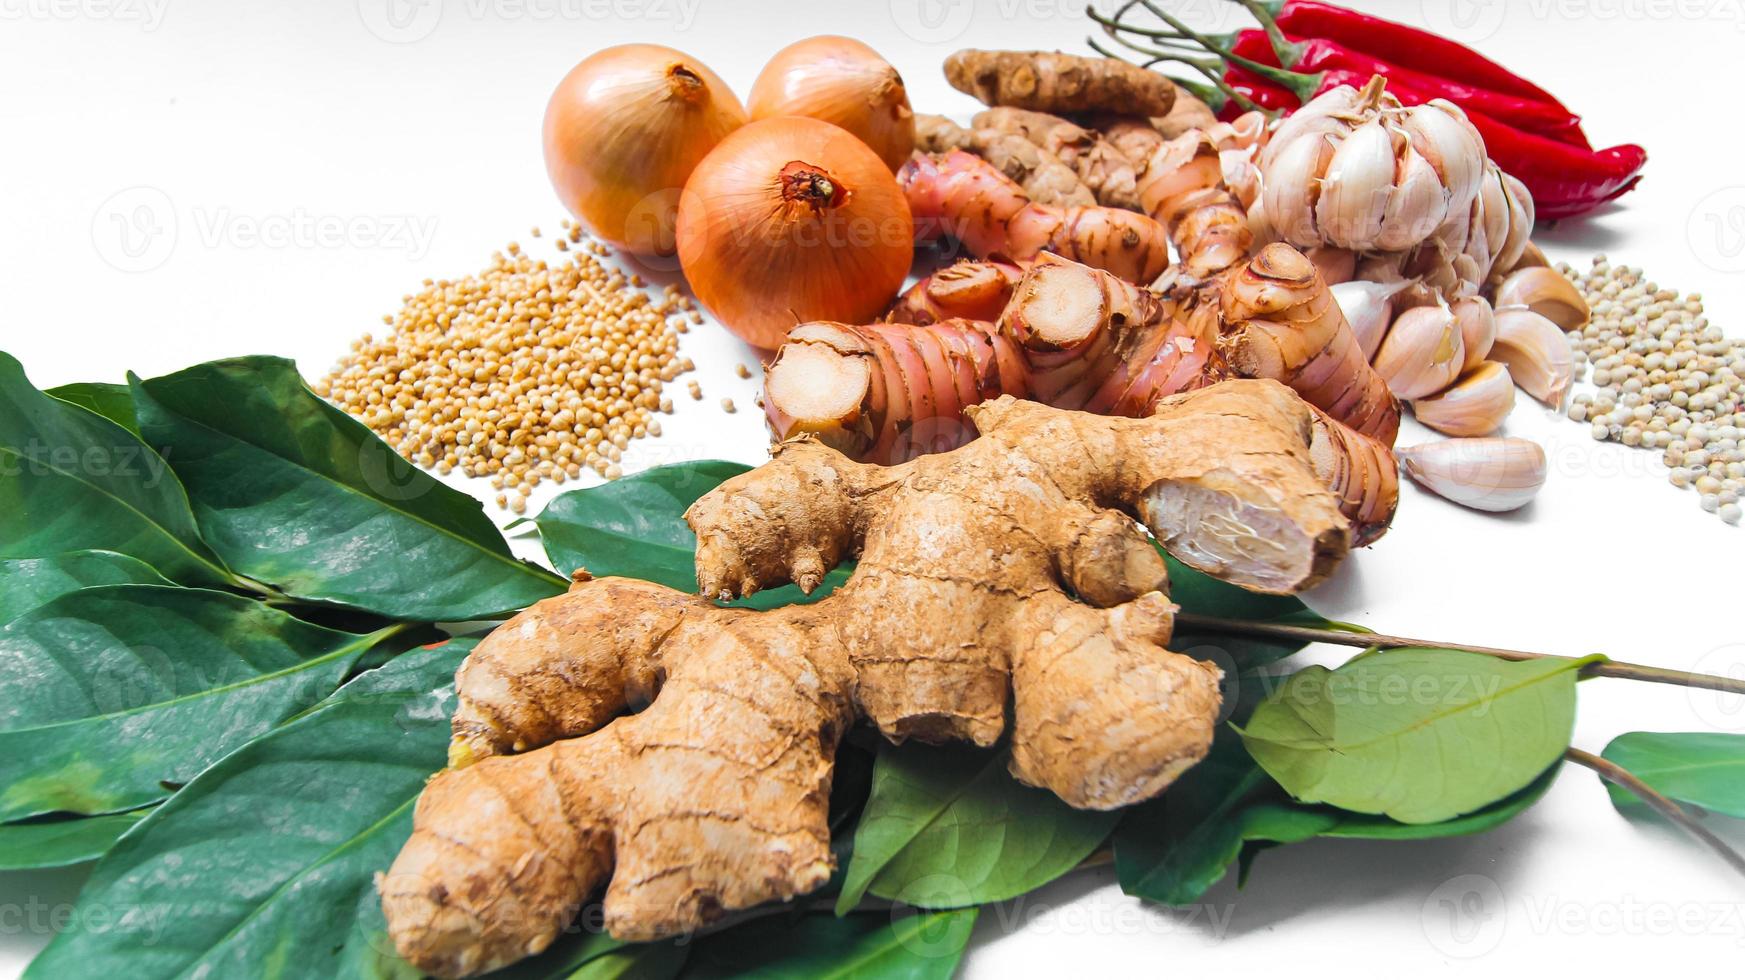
(1315, 55)
(1414, 48)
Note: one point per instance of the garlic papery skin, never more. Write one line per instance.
(1475, 405)
(1369, 308)
(1422, 352)
(1484, 474)
(1358, 170)
(1536, 352)
(1478, 328)
(1548, 293)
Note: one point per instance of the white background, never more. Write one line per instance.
(206, 120)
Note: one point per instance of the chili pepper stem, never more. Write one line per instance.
(1289, 54)
(1216, 100)
(1617, 775)
(1301, 85)
(1312, 634)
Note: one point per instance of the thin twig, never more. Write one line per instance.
(1312, 634)
(1613, 773)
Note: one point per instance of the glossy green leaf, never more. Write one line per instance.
(1420, 735)
(72, 480)
(296, 493)
(1200, 594)
(636, 527)
(1175, 848)
(26, 583)
(262, 865)
(110, 693)
(1705, 769)
(862, 946)
(60, 841)
(948, 827)
(113, 402)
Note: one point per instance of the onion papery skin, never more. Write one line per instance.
(843, 82)
(623, 132)
(791, 220)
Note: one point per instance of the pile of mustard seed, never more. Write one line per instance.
(526, 372)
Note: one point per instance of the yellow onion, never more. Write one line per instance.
(623, 132)
(791, 220)
(845, 83)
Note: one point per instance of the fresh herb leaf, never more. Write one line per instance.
(948, 827)
(863, 946)
(57, 842)
(1705, 769)
(113, 402)
(262, 864)
(296, 493)
(1420, 735)
(75, 480)
(26, 583)
(109, 692)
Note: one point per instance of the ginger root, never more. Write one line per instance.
(956, 625)
(967, 198)
(1042, 175)
(968, 289)
(1059, 83)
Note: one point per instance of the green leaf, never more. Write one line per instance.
(1705, 769)
(262, 865)
(26, 583)
(71, 480)
(1175, 848)
(948, 827)
(61, 841)
(113, 402)
(863, 946)
(295, 493)
(1201, 594)
(1420, 735)
(109, 693)
(636, 527)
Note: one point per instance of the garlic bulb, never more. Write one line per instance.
(1484, 474)
(1422, 352)
(1368, 307)
(1548, 293)
(1466, 252)
(1536, 352)
(1478, 328)
(1358, 170)
(1476, 405)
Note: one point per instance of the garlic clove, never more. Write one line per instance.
(1476, 405)
(1478, 328)
(1484, 474)
(1418, 206)
(1441, 132)
(1422, 352)
(1288, 191)
(1548, 293)
(1368, 307)
(1536, 352)
(1355, 193)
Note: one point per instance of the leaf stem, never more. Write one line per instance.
(1311, 634)
(1613, 773)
